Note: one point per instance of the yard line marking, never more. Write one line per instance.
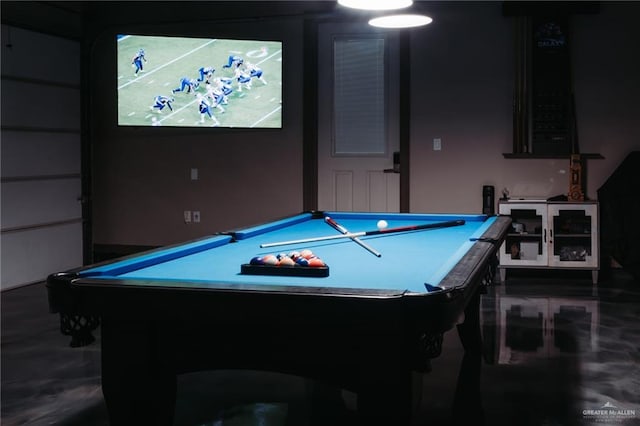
(270, 56)
(265, 117)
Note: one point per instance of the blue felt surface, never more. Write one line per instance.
(409, 260)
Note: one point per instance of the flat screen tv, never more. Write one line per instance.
(198, 82)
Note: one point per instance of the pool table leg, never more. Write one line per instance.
(467, 404)
(326, 405)
(385, 397)
(469, 330)
(138, 387)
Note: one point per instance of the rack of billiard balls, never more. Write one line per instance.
(296, 263)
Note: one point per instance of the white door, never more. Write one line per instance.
(358, 129)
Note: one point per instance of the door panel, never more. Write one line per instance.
(349, 181)
(343, 190)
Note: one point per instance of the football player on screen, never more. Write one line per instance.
(217, 97)
(160, 102)
(243, 78)
(138, 59)
(255, 72)
(186, 83)
(205, 109)
(233, 60)
(225, 85)
(205, 74)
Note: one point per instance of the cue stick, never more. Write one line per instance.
(367, 233)
(344, 230)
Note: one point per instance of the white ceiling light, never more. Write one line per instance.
(376, 4)
(400, 21)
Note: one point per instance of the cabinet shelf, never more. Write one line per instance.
(526, 155)
(519, 235)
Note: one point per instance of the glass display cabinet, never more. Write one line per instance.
(551, 235)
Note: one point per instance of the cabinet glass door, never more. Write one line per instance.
(572, 236)
(526, 242)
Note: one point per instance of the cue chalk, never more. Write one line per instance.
(357, 240)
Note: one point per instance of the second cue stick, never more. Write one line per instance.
(344, 230)
(410, 228)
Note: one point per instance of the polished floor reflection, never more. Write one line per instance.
(557, 351)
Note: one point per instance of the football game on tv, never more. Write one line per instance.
(196, 82)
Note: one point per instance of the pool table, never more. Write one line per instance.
(366, 326)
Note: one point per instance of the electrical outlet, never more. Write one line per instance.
(194, 174)
(187, 216)
(196, 216)
(437, 144)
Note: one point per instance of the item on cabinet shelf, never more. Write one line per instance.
(528, 251)
(571, 227)
(505, 194)
(571, 253)
(488, 200)
(518, 228)
(575, 185)
(560, 197)
(515, 251)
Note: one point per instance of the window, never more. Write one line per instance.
(359, 96)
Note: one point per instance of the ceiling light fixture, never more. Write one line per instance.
(400, 21)
(376, 4)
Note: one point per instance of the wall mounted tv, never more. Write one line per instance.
(197, 82)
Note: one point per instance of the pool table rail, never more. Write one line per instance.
(83, 299)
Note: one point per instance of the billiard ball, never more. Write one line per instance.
(306, 253)
(316, 262)
(257, 261)
(294, 255)
(382, 224)
(286, 261)
(270, 260)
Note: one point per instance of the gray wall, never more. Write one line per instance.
(462, 89)
(41, 215)
(462, 70)
(142, 179)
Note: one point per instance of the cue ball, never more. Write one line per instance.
(382, 224)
